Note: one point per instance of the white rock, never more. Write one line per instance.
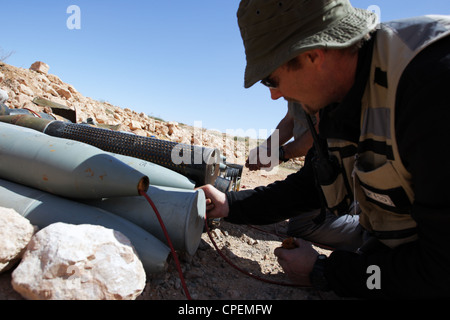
(15, 234)
(3, 96)
(84, 262)
(26, 90)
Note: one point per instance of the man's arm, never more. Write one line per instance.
(276, 202)
(284, 134)
(298, 147)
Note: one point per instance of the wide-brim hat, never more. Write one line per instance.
(276, 31)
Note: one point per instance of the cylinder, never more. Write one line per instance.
(5, 111)
(64, 167)
(43, 209)
(182, 211)
(26, 121)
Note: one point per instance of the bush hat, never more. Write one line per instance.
(276, 31)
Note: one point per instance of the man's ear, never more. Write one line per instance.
(316, 57)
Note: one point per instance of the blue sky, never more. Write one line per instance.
(181, 60)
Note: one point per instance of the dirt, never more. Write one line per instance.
(208, 276)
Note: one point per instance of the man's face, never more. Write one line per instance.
(308, 85)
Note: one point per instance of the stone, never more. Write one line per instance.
(79, 262)
(3, 96)
(26, 90)
(64, 93)
(72, 89)
(102, 117)
(135, 125)
(15, 234)
(50, 90)
(140, 132)
(40, 67)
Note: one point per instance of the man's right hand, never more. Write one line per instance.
(216, 202)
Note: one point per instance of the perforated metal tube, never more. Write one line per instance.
(195, 162)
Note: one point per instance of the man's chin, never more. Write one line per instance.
(308, 109)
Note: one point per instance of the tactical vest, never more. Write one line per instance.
(371, 171)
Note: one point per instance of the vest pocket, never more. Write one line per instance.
(382, 187)
(385, 205)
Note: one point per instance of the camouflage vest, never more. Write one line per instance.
(372, 171)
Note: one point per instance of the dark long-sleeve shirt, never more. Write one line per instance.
(415, 270)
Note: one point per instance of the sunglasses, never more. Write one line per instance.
(270, 83)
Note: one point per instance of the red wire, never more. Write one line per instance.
(33, 112)
(166, 234)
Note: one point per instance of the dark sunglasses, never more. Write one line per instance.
(270, 83)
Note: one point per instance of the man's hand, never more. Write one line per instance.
(261, 158)
(216, 202)
(298, 263)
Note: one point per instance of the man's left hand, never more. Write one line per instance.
(298, 263)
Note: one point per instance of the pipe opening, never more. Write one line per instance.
(143, 184)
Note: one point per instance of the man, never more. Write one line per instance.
(384, 112)
(293, 125)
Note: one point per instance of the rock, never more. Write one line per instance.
(50, 90)
(40, 67)
(64, 93)
(172, 127)
(26, 90)
(15, 234)
(3, 96)
(135, 125)
(140, 132)
(72, 89)
(83, 262)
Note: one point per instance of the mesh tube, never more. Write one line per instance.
(198, 163)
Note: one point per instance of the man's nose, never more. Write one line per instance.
(275, 94)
